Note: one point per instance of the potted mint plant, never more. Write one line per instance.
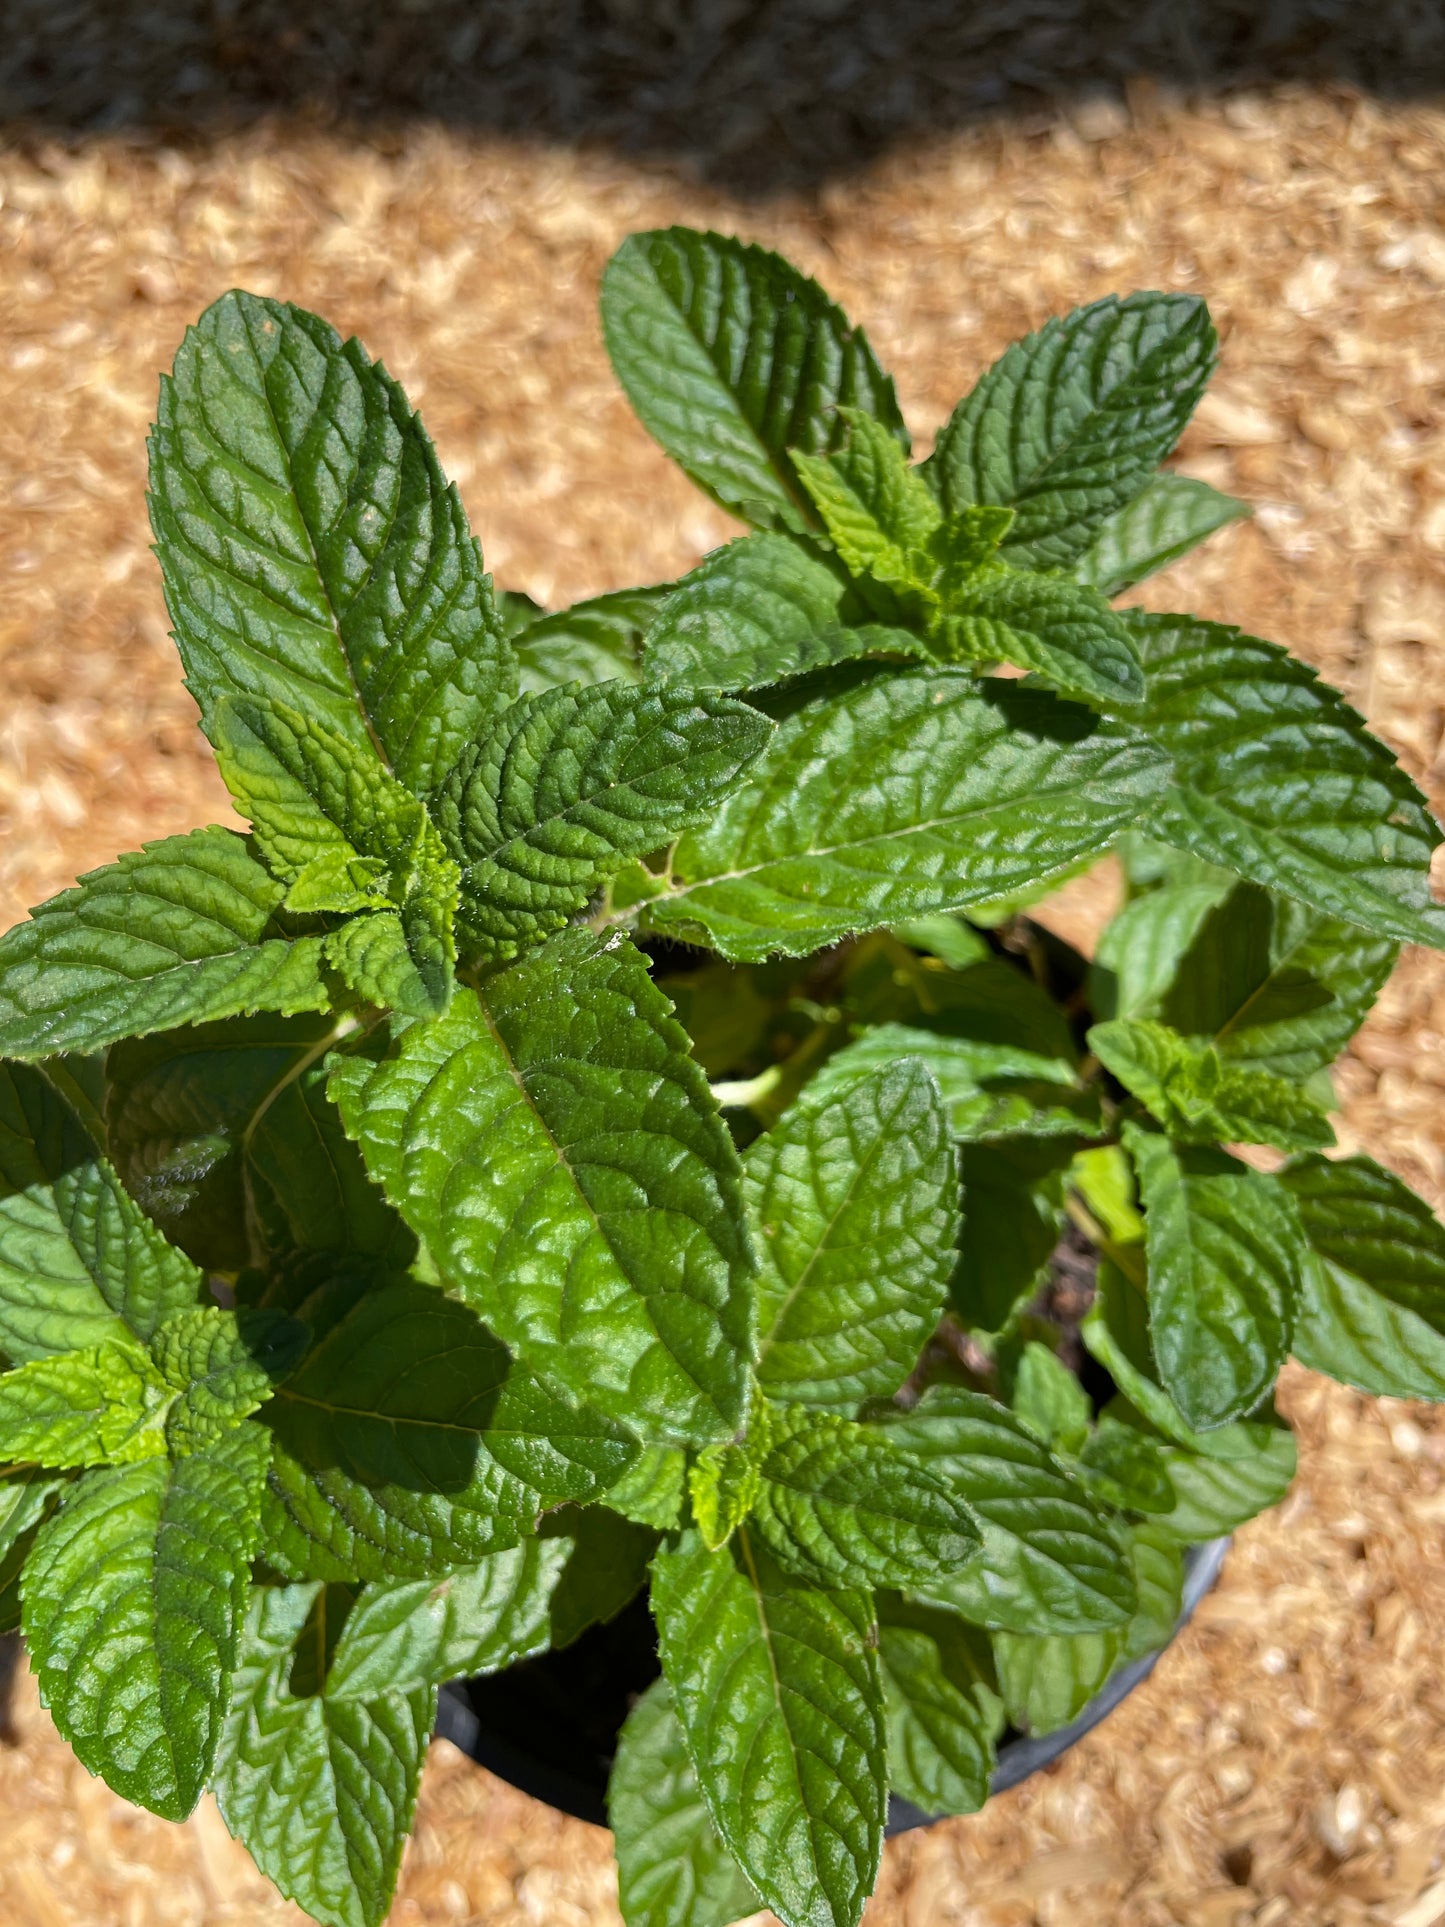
(610, 1127)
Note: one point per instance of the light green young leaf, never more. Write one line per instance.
(1050, 1401)
(312, 550)
(1050, 1561)
(879, 513)
(759, 611)
(101, 1406)
(1066, 633)
(944, 1716)
(79, 1262)
(409, 1442)
(567, 785)
(724, 1481)
(1226, 1259)
(848, 1505)
(1167, 518)
(1372, 1311)
(133, 1600)
(178, 932)
(1201, 1097)
(224, 1135)
(221, 1366)
(1070, 424)
(600, 640)
(776, 1687)
(910, 794)
(1274, 984)
(1277, 778)
(853, 1207)
(652, 1489)
(732, 359)
(559, 1152)
(672, 1867)
(320, 1791)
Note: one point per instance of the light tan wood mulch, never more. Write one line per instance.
(1287, 1763)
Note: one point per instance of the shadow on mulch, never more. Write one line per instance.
(752, 95)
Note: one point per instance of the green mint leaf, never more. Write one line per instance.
(1071, 422)
(725, 1481)
(1170, 515)
(607, 1565)
(1139, 955)
(876, 509)
(853, 1208)
(312, 551)
(133, 1600)
(1277, 779)
(1372, 1312)
(1275, 985)
(759, 611)
(950, 939)
(319, 1791)
(913, 793)
(1201, 1097)
(224, 1365)
(1050, 1401)
(732, 359)
(225, 1136)
(1124, 1468)
(560, 1153)
(80, 1264)
(944, 1715)
(177, 932)
(1013, 1214)
(600, 640)
(1226, 1256)
(409, 1442)
(100, 1406)
(26, 1494)
(1050, 1561)
(348, 838)
(848, 1505)
(652, 1489)
(567, 786)
(1066, 633)
(777, 1690)
(672, 1867)
(423, 1632)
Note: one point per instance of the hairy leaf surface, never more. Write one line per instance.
(912, 793)
(732, 358)
(777, 1690)
(312, 550)
(853, 1208)
(561, 1155)
(178, 932)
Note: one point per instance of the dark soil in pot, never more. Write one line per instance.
(550, 1725)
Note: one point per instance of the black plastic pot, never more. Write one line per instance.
(549, 1725)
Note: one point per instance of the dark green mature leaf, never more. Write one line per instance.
(731, 359)
(1139, 954)
(1050, 1561)
(1071, 422)
(853, 1205)
(912, 793)
(226, 1137)
(599, 640)
(944, 1716)
(79, 1263)
(562, 1157)
(989, 1089)
(133, 1599)
(312, 550)
(1372, 1311)
(1167, 518)
(848, 1505)
(1123, 1468)
(567, 785)
(409, 1443)
(1050, 1401)
(100, 1406)
(760, 610)
(1201, 1097)
(1274, 984)
(1226, 1259)
(672, 1867)
(319, 1790)
(177, 932)
(1277, 778)
(26, 1495)
(1013, 1213)
(777, 1690)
